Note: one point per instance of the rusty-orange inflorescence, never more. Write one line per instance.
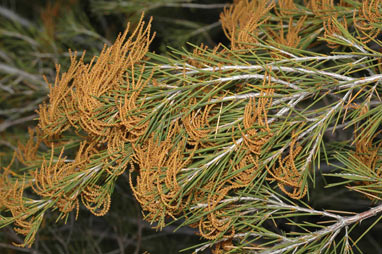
(105, 105)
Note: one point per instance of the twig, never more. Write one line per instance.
(6, 124)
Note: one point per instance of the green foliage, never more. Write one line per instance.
(269, 145)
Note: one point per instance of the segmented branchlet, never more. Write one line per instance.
(227, 139)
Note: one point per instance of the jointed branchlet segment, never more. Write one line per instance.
(228, 139)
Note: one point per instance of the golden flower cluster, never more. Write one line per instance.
(79, 102)
(104, 104)
(241, 21)
(368, 154)
(365, 17)
(287, 175)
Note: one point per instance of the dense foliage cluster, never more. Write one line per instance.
(232, 141)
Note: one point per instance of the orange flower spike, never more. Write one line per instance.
(322, 8)
(243, 18)
(286, 7)
(27, 153)
(365, 17)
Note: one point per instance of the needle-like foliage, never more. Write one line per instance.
(228, 140)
